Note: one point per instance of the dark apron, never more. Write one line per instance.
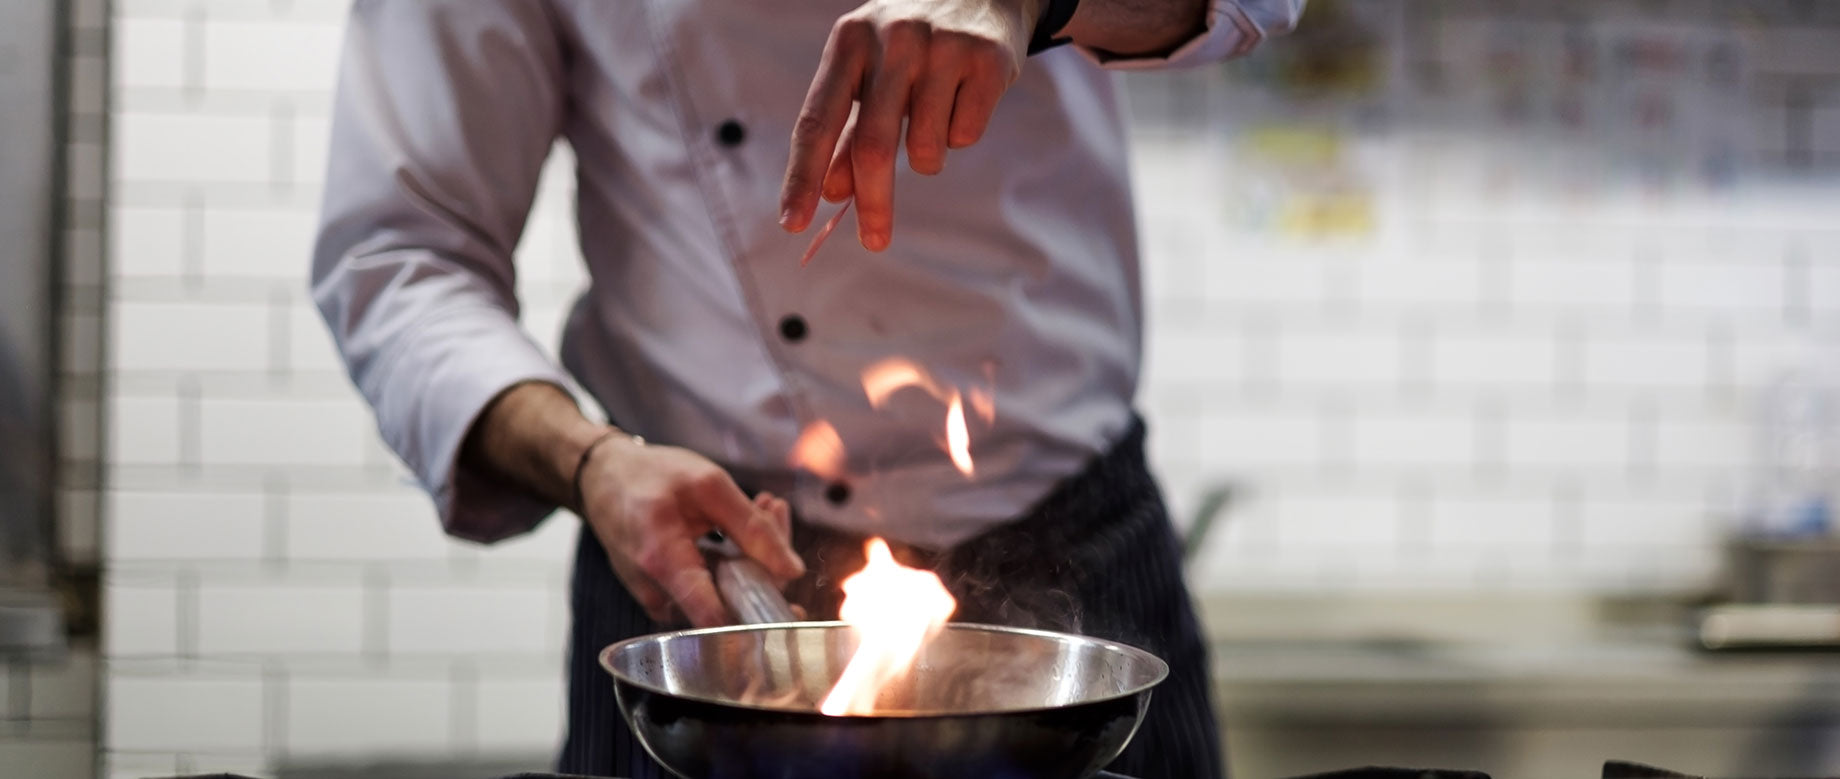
(1098, 556)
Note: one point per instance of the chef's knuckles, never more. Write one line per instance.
(940, 66)
(649, 504)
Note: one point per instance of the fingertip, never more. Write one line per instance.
(788, 571)
(791, 219)
(707, 611)
(662, 615)
(926, 163)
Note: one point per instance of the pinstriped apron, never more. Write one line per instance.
(1098, 556)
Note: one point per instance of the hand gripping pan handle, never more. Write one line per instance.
(745, 586)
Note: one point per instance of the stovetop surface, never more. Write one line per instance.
(1614, 769)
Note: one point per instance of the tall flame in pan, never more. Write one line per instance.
(894, 610)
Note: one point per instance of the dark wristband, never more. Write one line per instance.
(581, 503)
(1053, 18)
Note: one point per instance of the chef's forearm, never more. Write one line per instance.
(1136, 27)
(532, 436)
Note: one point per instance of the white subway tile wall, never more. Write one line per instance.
(1523, 363)
(1436, 389)
(278, 592)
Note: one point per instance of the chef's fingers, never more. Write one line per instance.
(821, 119)
(931, 110)
(694, 588)
(987, 77)
(651, 597)
(661, 546)
(840, 181)
(877, 139)
(782, 513)
(752, 528)
(778, 509)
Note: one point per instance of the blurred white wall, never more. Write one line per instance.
(278, 592)
(1424, 371)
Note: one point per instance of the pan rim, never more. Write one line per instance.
(1157, 664)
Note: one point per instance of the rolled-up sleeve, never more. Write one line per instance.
(1234, 27)
(444, 114)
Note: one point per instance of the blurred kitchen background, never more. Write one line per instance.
(1479, 330)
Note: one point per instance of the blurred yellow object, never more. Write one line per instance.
(1302, 146)
(1321, 216)
(1301, 182)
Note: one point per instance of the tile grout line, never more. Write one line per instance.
(186, 616)
(275, 679)
(276, 517)
(193, 66)
(375, 636)
(463, 708)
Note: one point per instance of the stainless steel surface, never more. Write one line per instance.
(750, 594)
(741, 702)
(1517, 684)
(31, 164)
(1525, 709)
(966, 669)
(1770, 625)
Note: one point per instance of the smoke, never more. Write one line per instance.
(1016, 598)
(1014, 579)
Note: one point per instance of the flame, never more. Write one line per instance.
(893, 374)
(984, 404)
(894, 610)
(819, 450)
(958, 440)
(886, 377)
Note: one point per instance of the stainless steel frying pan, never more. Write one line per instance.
(982, 702)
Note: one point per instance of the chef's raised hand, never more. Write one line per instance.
(649, 504)
(940, 65)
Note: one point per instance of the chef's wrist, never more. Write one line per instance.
(530, 436)
(607, 438)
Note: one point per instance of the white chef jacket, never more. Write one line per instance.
(1014, 274)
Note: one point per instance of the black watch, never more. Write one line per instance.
(1054, 17)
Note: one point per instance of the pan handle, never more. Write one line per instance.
(745, 586)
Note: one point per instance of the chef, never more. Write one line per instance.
(709, 136)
